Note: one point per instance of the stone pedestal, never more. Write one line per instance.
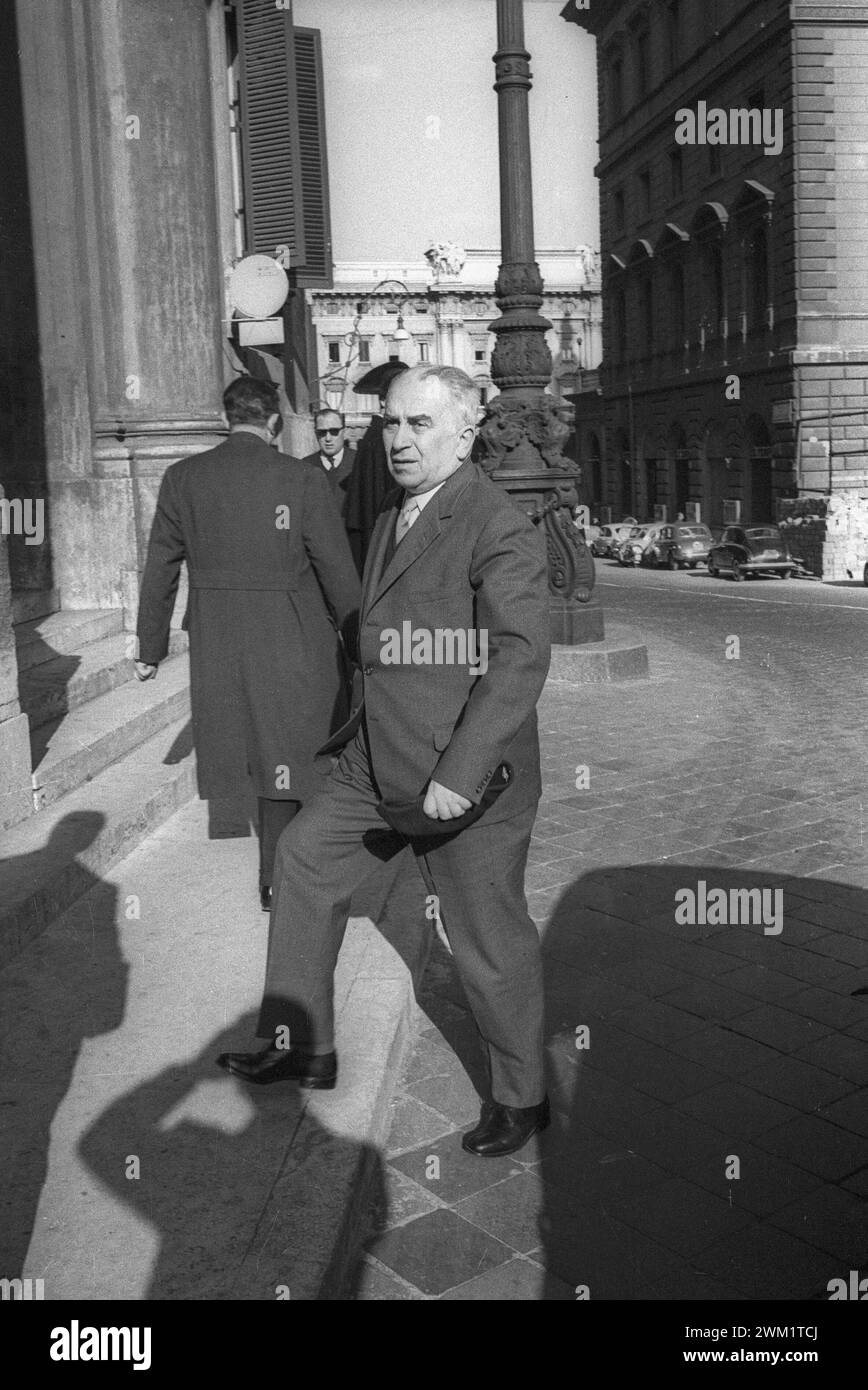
(571, 626)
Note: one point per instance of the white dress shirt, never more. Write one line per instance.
(330, 463)
(412, 509)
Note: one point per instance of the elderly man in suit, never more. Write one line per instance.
(334, 455)
(434, 741)
(272, 581)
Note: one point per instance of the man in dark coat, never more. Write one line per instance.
(334, 456)
(272, 582)
(453, 560)
(371, 480)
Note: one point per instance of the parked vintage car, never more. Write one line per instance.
(610, 537)
(633, 549)
(750, 550)
(680, 545)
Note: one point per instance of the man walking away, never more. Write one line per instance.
(272, 583)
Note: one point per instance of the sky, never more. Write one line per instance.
(411, 124)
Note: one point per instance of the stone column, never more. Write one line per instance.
(119, 116)
(523, 434)
(157, 258)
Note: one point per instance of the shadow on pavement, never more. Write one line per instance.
(43, 691)
(241, 1183)
(704, 1126)
(77, 991)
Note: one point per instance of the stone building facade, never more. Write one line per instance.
(446, 309)
(735, 291)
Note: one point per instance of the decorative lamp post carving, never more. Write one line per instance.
(523, 435)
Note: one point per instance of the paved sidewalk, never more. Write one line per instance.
(144, 1172)
(130, 1166)
(711, 1140)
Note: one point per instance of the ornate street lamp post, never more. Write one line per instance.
(340, 375)
(522, 433)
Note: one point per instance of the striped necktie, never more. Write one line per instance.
(406, 517)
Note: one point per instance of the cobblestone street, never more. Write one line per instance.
(711, 1139)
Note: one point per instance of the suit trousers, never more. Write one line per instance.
(274, 817)
(478, 876)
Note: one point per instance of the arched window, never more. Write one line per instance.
(623, 474)
(707, 230)
(673, 33)
(646, 302)
(619, 323)
(757, 278)
(671, 250)
(677, 306)
(713, 301)
(679, 472)
(615, 79)
(641, 268)
(754, 212)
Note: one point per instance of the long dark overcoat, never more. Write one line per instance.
(369, 484)
(272, 580)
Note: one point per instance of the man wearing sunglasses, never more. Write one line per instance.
(333, 453)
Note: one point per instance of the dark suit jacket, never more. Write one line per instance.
(471, 561)
(338, 477)
(271, 579)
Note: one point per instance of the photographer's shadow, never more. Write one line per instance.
(68, 986)
(235, 1179)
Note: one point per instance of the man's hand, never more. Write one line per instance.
(144, 672)
(442, 804)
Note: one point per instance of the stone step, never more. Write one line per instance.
(72, 750)
(53, 858)
(64, 633)
(51, 689)
(34, 603)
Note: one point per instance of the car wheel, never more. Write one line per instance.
(652, 560)
(737, 573)
(694, 564)
(672, 563)
(785, 574)
(865, 575)
(712, 569)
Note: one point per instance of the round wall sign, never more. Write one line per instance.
(258, 287)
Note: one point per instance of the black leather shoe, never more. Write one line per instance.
(503, 1129)
(265, 898)
(318, 1073)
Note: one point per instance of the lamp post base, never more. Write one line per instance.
(573, 624)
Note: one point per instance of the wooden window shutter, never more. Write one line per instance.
(317, 267)
(270, 145)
